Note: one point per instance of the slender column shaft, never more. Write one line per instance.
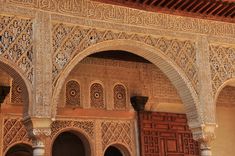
(205, 150)
(38, 148)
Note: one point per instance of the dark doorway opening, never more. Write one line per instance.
(112, 151)
(68, 144)
(20, 150)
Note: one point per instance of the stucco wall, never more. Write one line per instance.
(225, 136)
(139, 78)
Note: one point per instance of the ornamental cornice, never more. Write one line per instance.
(129, 16)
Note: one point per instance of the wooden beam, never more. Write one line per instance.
(155, 2)
(198, 8)
(174, 2)
(180, 3)
(217, 5)
(230, 12)
(222, 12)
(193, 5)
(218, 9)
(183, 7)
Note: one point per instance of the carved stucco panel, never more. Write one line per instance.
(118, 132)
(73, 93)
(119, 97)
(87, 126)
(69, 40)
(118, 14)
(16, 43)
(222, 64)
(14, 132)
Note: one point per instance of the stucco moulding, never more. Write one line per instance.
(118, 14)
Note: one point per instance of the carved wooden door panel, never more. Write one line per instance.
(166, 134)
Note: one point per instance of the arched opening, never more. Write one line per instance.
(113, 151)
(177, 77)
(72, 144)
(20, 87)
(120, 67)
(140, 77)
(225, 115)
(116, 150)
(20, 150)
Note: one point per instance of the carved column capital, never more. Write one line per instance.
(204, 134)
(38, 128)
(138, 102)
(45, 131)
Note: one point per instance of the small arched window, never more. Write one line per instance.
(97, 96)
(16, 93)
(119, 97)
(73, 93)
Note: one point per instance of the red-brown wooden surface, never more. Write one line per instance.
(166, 134)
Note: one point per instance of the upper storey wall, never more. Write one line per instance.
(138, 79)
(59, 30)
(85, 11)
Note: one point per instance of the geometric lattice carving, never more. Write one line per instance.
(73, 93)
(119, 97)
(97, 96)
(222, 64)
(86, 126)
(70, 40)
(14, 131)
(166, 134)
(16, 93)
(16, 43)
(114, 132)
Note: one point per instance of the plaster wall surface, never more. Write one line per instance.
(143, 79)
(225, 136)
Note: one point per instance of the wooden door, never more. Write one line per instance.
(166, 134)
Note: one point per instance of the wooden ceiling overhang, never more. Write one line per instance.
(219, 10)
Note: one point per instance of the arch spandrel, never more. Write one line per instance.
(222, 65)
(16, 43)
(170, 68)
(16, 53)
(69, 40)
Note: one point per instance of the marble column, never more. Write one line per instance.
(38, 147)
(204, 134)
(39, 130)
(205, 149)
